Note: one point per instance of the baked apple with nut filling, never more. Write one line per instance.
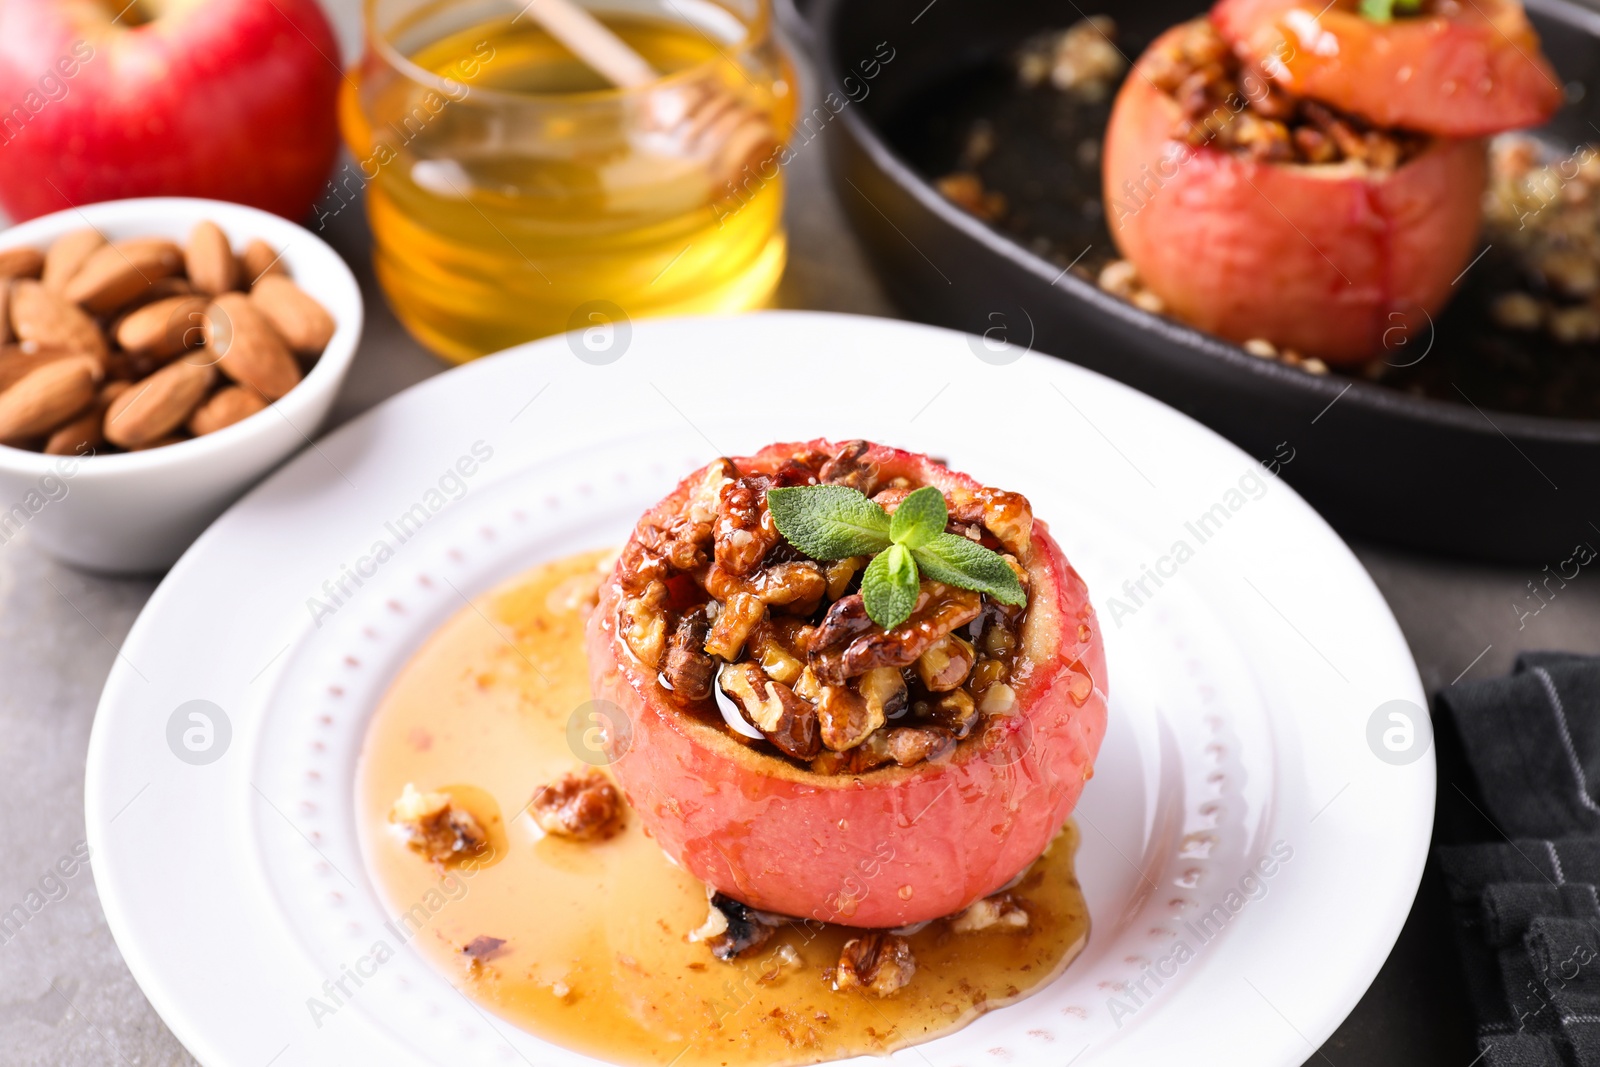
(1257, 214)
(1455, 68)
(862, 687)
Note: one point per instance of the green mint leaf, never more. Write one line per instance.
(1378, 10)
(954, 560)
(889, 586)
(829, 522)
(919, 518)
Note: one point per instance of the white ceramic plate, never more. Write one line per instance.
(1243, 686)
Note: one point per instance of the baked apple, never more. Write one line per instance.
(1456, 68)
(1256, 214)
(873, 715)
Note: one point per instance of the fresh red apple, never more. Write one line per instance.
(1459, 68)
(894, 845)
(228, 99)
(1334, 260)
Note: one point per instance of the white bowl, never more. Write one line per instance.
(136, 512)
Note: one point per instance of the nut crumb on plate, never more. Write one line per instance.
(876, 963)
(733, 928)
(1001, 911)
(583, 807)
(435, 827)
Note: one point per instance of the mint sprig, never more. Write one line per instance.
(829, 522)
(1386, 10)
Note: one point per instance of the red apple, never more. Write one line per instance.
(1465, 70)
(1331, 260)
(228, 99)
(894, 845)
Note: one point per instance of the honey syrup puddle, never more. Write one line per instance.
(594, 954)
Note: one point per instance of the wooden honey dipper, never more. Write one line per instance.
(707, 124)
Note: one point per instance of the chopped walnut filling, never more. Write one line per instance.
(735, 621)
(584, 807)
(876, 963)
(1238, 109)
(436, 827)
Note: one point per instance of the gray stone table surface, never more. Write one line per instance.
(67, 998)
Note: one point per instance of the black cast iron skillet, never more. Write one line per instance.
(1460, 477)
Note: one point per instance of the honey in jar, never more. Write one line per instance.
(514, 193)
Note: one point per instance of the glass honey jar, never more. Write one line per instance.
(512, 190)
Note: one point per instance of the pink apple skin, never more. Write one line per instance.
(228, 99)
(896, 845)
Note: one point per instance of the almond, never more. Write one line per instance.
(49, 396)
(298, 318)
(84, 435)
(226, 407)
(160, 290)
(259, 260)
(209, 259)
(247, 348)
(160, 442)
(17, 363)
(116, 273)
(165, 328)
(20, 263)
(66, 256)
(161, 403)
(48, 320)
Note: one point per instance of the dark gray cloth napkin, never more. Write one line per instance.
(1525, 904)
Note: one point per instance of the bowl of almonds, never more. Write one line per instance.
(157, 357)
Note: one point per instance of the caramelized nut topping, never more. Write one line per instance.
(847, 719)
(739, 616)
(946, 664)
(884, 690)
(848, 468)
(645, 624)
(713, 595)
(914, 744)
(772, 707)
(1239, 109)
(744, 529)
(689, 669)
(956, 711)
(584, 807)
(774, 656)
(840, 573)
(940, 610)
